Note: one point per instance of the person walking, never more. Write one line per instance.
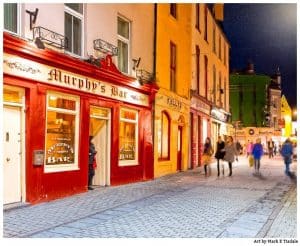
(287, 152)
(220, 152)
(207, 153)
(249, 148)
(92, 153)
(271, 148)
(257, 153)
(230, 153)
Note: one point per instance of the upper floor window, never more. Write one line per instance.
(123, 44)
(197, 69)
(11, 17)
(173, 9)
(205, 23)
(220, 47)
(214, 90)
(220, 89)
(172, 67)
(225, 56)
(198, 16)
(74, 27)
(214, 39)
(206, 75)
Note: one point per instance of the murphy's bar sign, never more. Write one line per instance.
(18, 66)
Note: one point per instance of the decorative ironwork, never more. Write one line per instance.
(105, 47)
(49, 37)
(144, 76)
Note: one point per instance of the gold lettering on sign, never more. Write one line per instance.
(174, 103)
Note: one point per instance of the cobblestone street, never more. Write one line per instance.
(184, 205)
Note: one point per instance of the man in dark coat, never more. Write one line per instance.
(220, 152)
(92, 153)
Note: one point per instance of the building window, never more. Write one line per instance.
(198, 16)
(172, 67)
(206, 75)
(11, 17)
(225, 57)
(123, 44)
(164, 137)
(173, 9)
(198, 69)
(214, 39)
(220, 47)
(219, 90)
(205, 23)
(128, 137)
(74, 27)
(214, 90)
(62, 132)
(225, 93)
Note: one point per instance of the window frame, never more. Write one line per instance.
(206, 76)
(173, 63)
(173, 10)
(197, 19)
(135, 162)
(205, 23)
(81, 17)
(161, 144)
(125, 40)
(19, 19)
(63, 167)
(214, 48)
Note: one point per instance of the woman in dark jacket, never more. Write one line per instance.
(92, 153)
(207, 153)
(219, 155)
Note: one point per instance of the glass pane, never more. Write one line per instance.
(77, 36)
(11, 96)
(123, 56)
(165, 136)
(57, 102)
(127, 114)
(100, 112)
(76, 6)
(68, 30)
(123, 28)
(60, 138)
(11, 17)
(127, 141)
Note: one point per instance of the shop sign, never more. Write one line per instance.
(217, 114)
(172, 102)
(200, 106)
(21, 67)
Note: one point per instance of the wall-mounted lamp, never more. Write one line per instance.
(33, 16)
(39, 43)
(136, 63)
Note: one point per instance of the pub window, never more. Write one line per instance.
(173, 9)
(123, 44)
(62, 132)
(128, 137)
(172, 67)
(164, 137)
(74, 27)
(198, 16)
(11, 17)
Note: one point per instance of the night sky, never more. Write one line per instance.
(265, 34)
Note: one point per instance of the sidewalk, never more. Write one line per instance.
(175, 205)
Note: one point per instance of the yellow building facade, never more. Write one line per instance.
(173, 76)
(286, 117)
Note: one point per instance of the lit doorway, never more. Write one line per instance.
(100, 125)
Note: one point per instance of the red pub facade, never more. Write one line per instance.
(52, 103)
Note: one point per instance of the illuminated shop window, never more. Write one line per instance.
(11, 13)
(128, 137)
(62, 127)
(164, 137)
(74, 27)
